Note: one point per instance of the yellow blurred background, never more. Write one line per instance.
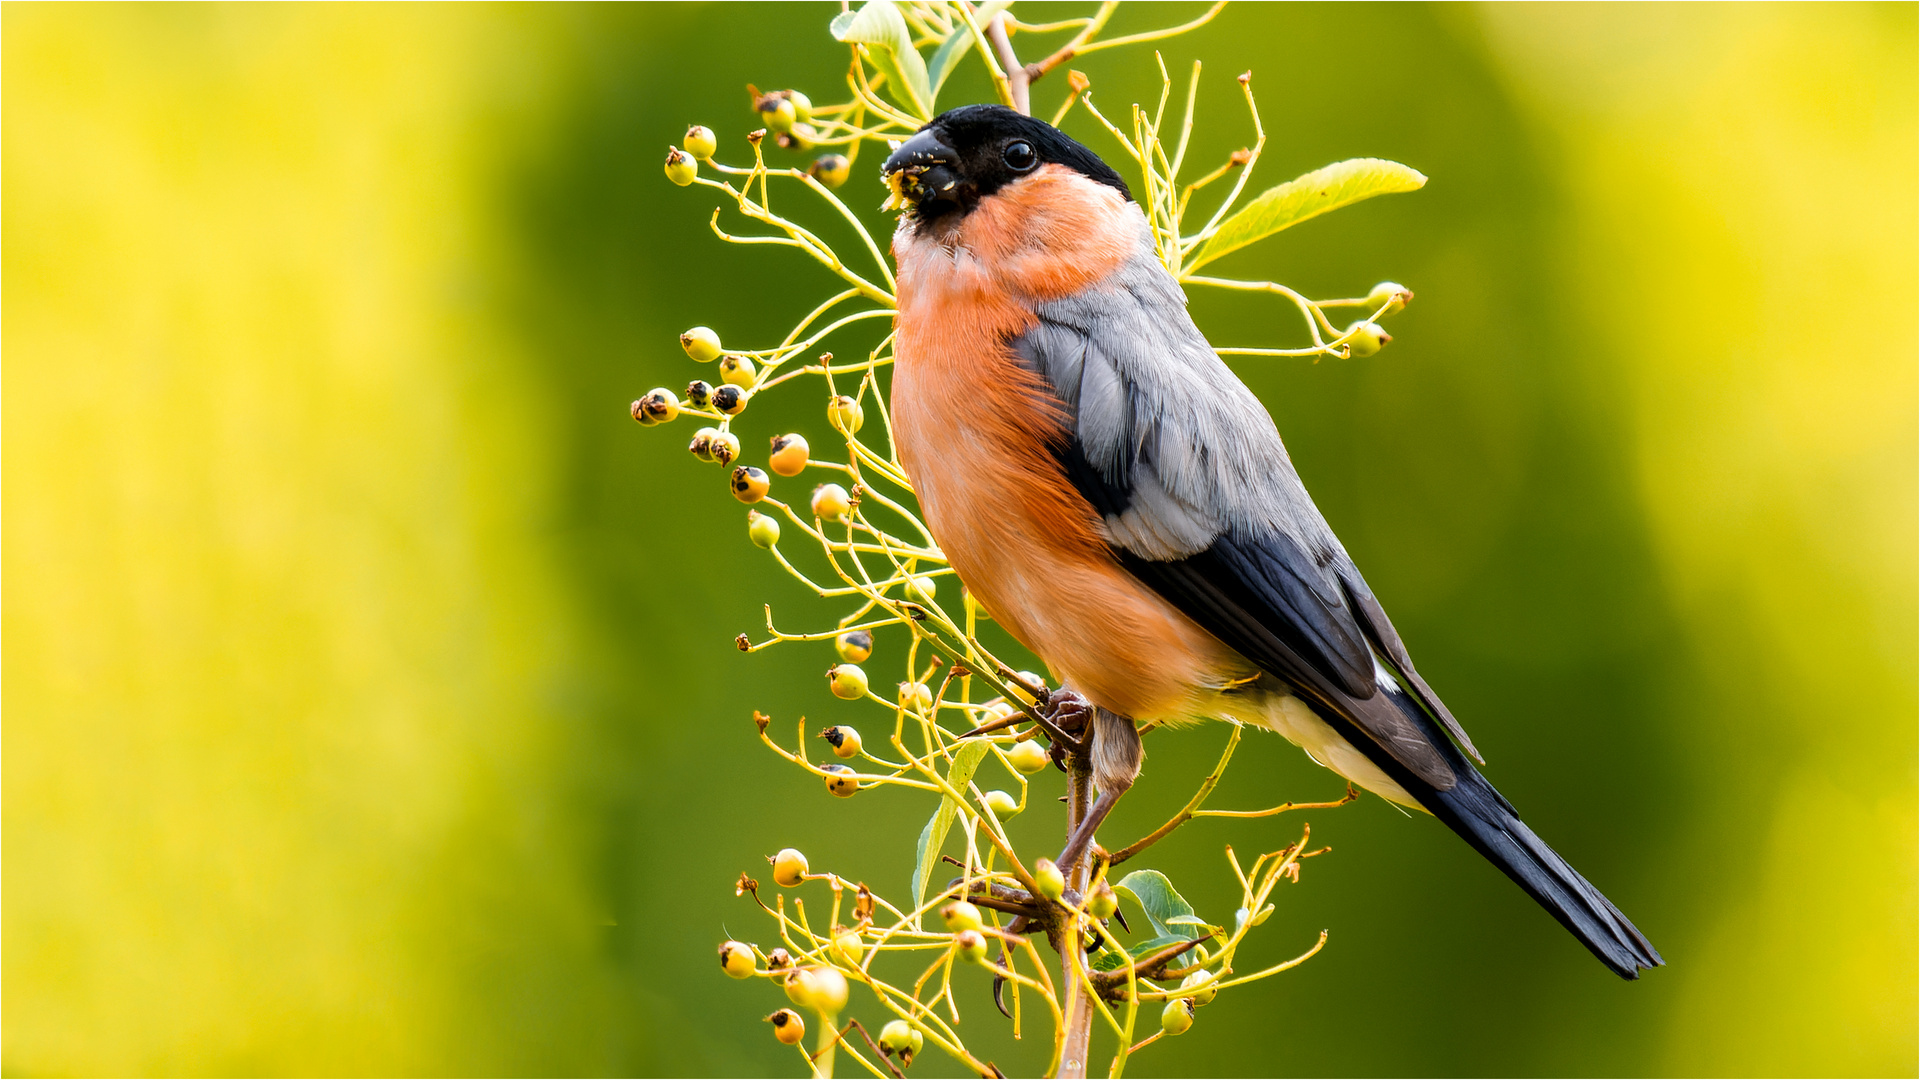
(367, 697)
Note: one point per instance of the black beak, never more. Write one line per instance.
(923, 172)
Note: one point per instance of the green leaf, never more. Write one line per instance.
(1340, 184)
(1166, 909)
(879, 26)
(1108, 960)
(934, 836)
(953, 50)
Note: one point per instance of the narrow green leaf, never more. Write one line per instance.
(1109, 960)
(879, 26)
(1166, 909)
(1340, 184)
(934, 836)
(953, 50)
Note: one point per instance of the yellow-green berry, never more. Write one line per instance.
(902, 1040)
(962, 915)
(831, 169)
(1002, 804)
(841, 782)
(1047, 875)
(729, 400)
(1204, 987)
(854, 646)
(972, 946)
(779, 959)
(660, 405)
(702, 344)
(831, 502)
(789, 870)
(700, 142)
(750, 484)
(915, 696)
(802, 105)
(736, 370)
(681, 168)
(699, 393)
(844, 740)
(702, 444)
(638, 410)
(777, 111)
(848, 948)
(762, 529)
(845, 414)
(736, 959)
(1102, 902)
(829, 990)
(799, 987)
(1366, 338)
(1391, 294)
(1028, 757)
(788, 455)
(723, 447)
(847, 681)
(1177, 1017)
(788, 1027)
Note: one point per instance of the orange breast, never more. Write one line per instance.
(975, 431)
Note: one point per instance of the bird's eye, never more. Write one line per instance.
(1019, 156)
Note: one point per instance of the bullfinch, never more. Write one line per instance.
(1122, 504)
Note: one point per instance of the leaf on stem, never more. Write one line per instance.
(965, 760)
(879, 26)
(1108, 960)
(1168, 911)
(953, 50)
(1340, 184)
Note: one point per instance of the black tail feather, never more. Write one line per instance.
(1484, 819)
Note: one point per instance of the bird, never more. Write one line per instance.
(1120, 502)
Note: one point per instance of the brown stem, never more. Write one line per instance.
(1079, 1006)
(1018, 77)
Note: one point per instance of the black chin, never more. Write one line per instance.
(940, 190)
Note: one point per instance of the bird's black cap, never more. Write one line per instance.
(966, 154)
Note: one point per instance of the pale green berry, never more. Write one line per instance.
(902, 1040)
(831, 169)
(802, 106)
(847, 681)
(700, 142)
(844, 740)
(736, 959)
(639, 412)
(736, 370)
(921, 590)
(1177, 1017)
(701, 343)
(841, 782)
(762, 529)
(1367, 339)
(1002, 804)
(788, 1027)
(681, 168)
(1047, 875)
(789, 870)
(729, 400)
(699, 393)
(724, 447)
(1205, 986)
(1102, 902)
(702, 444)
(915, 696)
(831, 502)
(778, 113)
(1391, 294)
(972, 946)
(1028, 757)
(1021, 681)
(660, 406)
(788, 455)
(962, 915)
(749, 484)
(854, 646)
(845, 414)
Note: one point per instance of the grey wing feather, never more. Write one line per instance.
(1191, 478)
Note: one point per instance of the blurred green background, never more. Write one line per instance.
(370, 701)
